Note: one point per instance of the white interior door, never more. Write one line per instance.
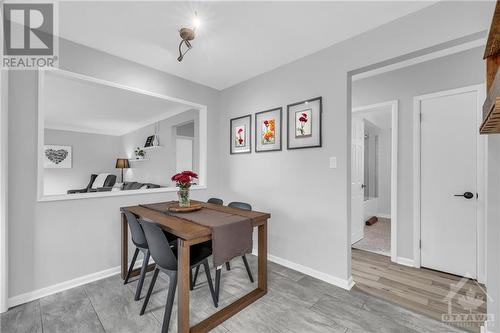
(184, 154)
(448, 134)
(357, 178)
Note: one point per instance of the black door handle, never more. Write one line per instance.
(466, 195)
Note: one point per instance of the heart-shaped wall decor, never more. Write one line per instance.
(56, 156)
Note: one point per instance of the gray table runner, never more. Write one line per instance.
(231, 234)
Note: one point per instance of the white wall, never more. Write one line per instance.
(91, 153)
(308, 201)
(493, 231)
(49, 241)
(454, 71)
(161, 163)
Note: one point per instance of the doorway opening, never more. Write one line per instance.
(433, 80)
(374, 178)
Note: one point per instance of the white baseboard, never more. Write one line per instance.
(356, 237)
(384, 216)
(405, 261)
(344, 284)
(56, 288)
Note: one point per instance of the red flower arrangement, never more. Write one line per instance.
(184, 179)
(303, 121)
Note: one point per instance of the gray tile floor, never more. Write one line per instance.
(296, 303)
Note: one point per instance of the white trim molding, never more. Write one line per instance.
(394, 106)
(202, 172)
(405, 261)
(56, 288)
(336, 281)
(481, 181)
(4, 136)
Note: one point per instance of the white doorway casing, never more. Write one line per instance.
(393, 105)
(479, 166)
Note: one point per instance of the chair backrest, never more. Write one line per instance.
(92, 178)
(158, 246)
(136, 231)
(240, 205)
(215, 201)
(110, 181)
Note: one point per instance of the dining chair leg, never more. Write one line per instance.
(144, 268)
(247, 266)
(131, 268)
(150, 290)
(228, 266)
(217, 282)
(191, 285)
(210, 284)
(170, 300)
(195, 276)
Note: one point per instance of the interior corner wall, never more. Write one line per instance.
(160, 164)
(493, 231)
(309, 202)
(91, 154)
(454, 71)
(57, 241)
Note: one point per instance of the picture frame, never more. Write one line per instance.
(304, 124)
(268, 127)
(57, 157)
(240, 135)
(149, 141)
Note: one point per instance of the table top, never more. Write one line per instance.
(189, 230)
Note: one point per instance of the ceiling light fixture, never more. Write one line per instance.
(187, 35)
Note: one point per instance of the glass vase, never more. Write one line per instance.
(183, 194)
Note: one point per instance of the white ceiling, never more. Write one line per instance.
(75, 105)
(236, 41)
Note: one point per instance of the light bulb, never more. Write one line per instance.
(196, 22)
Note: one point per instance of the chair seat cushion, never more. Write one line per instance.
(198, 253)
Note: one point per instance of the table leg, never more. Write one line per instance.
(124, 247)
(183, 287)
(262, 259)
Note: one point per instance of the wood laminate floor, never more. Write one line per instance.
(422, 290)
(295, 303)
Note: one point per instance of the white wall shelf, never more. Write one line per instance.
(152, 147)
(138, 160)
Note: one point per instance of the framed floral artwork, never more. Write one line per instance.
(268, 130)
(241, 129)
(304, 124)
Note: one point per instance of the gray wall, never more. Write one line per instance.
(493, 231)
(49, 241)
(308, 201)
(310, 214)
(161, 163)
(455, 71)
(92, 153)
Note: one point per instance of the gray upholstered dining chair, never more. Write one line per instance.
(164, 254)
(139, 240)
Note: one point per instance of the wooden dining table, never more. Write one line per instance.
(190, 233)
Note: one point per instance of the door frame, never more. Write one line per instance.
(481, 176)
(394, 105)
